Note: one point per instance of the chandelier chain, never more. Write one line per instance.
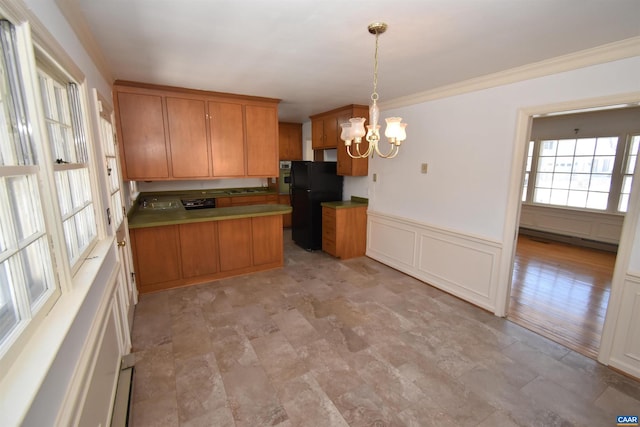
(374, 95)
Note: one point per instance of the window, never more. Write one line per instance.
(582, 173)
(527, 171)
(629, 168)
(62, 110)
(27, 280)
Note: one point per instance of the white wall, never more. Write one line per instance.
(468, 142)
(463, 211)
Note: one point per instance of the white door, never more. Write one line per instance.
(117, 217)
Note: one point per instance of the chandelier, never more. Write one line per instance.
(353, 130)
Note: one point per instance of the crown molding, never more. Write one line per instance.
(606, 53)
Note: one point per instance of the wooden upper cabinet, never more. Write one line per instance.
(325, 133)
(188, 138)
(226, 127)
(262, 140)
(348, 166)
(290, 141)
(176, 133)
(142, 135)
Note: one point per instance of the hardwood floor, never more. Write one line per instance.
(561, 292)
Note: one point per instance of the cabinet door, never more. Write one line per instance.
(143, 149)
(285, 199)
(262, 140)
(226, 126)
(332, 131)
(157, 255)
(267, 239)
(188, 138)
(290, 141)
(348, 166)
(199, 248)
(234, 239)
(317, 134)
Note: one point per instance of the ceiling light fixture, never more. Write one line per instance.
(353, 130)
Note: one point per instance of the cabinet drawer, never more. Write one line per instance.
(329, 246)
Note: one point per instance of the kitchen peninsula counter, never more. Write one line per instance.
(141, 218)
(174, 247)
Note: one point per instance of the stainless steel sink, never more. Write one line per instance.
(160, 204)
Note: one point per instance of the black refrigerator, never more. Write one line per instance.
(311, 184)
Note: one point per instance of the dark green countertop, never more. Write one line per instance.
(355, 202)
(170, 210)
(141, 218)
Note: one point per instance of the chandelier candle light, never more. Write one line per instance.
(353, 130)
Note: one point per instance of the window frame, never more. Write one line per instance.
(45, 65)
(615, 186)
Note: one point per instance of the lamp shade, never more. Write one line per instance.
(357, 128)
(346, 133)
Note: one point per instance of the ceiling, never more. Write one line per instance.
(318, 55)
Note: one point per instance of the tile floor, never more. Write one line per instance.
(322, 342)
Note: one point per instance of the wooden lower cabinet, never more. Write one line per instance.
(156, 254)
(267, 239)
(285, 199)
(235, 244)
(178, 255)
(344, 231)
(198, 248)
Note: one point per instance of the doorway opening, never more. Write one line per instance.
(575, 192)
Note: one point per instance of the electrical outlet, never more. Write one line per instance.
(424, 167)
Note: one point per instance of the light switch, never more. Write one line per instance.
(424, 167)
(375, 177)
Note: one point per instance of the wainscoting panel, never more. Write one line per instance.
(463, 265)
(392, 240)
(625, 354)
(600, 227)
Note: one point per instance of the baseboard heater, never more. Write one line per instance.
(121, 407)
(571, 240)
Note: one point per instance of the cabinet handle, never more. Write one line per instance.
(122, 243)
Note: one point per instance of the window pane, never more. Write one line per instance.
(603, 164)
(623, 205)
(9, 316)
(561, 180)
(566, 147)
(548, 148)
(606, 146)
(542, 195)
(577, 199)
(36, 262)
(24, 201)
(15, 144)
(559, 197)
(597, 200)
(544, 180)
(546, 164)
(585, 146)
(583, 164)
(580, 181)
(564, 164)
(600, 183)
